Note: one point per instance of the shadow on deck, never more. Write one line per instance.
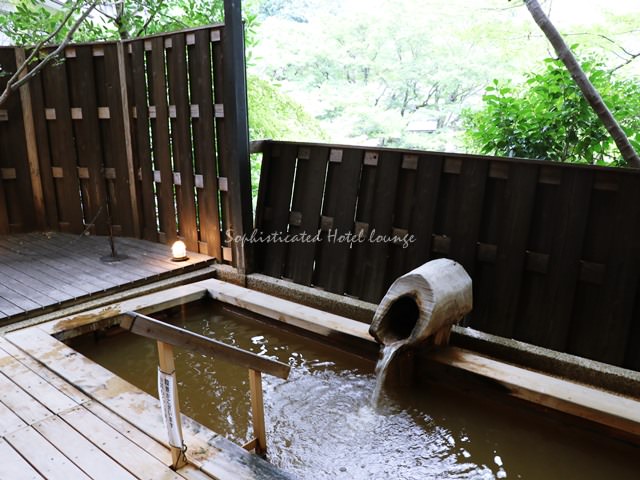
(42, 272)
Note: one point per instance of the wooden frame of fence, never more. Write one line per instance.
(128, 132)
(553, 249)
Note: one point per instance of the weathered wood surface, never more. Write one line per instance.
(102, 424)
(423, 303)
(179, 337)
(552, 248)
(41, 272)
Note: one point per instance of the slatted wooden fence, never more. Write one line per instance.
(134, 130)
(553, 249)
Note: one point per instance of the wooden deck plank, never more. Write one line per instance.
(143, 440)
(52, 398)
(44, 457)
(39, 283)
(80, 260)
(43, 372)
(9, 421)
(32, 264)
(39, 272)
(89, 250)
(81, 451)
(17, 299)
(13, 466)
(20, 402)
(7, 308)
(117, 446)
(36, 295)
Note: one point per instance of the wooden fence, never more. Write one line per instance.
(553, 249)
(134, 130)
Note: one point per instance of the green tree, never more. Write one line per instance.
(547, 117)
(591, 94)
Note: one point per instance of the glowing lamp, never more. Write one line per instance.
(179, 251)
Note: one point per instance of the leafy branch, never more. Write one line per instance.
(19, 78)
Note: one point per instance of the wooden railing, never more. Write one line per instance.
(169, 336)
(553, 249)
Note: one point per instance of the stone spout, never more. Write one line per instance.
(424, 303)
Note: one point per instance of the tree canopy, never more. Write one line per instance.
(547, 117)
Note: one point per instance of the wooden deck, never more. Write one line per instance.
(40, 272)
(64, 417)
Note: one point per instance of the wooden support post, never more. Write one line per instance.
(32, 146)
(235, 112)
(168, 392)
(257, 410)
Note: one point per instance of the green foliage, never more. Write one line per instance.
(548, 118)
(274, 115)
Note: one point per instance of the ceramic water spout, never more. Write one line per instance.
(424, 303)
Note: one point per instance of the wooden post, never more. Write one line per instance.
(237, 131)
(126, 121)
(168, 368)
(257, 410)
(32, 145)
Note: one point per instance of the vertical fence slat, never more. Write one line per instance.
(5, 155)
(63, 151)
(201, 81)
(17, 191)
(552, 322)
(181, 139)
(161, 141)
(341, 193)
(511, 250)
(143, 141)
(381, 224)
(282, 165)
(44, 151)
(31, 146)
(306, 205)
(222, 133)
(405, 199)
(603, 332)
(364, 214)
(471, 189)
(423, 214)
(87, 135)
(123, 207)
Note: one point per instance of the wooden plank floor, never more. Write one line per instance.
(40, 272)
(64, 417)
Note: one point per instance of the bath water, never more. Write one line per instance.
(322, 424)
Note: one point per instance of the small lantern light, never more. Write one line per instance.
(179, 251)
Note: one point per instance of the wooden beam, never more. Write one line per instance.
(257, 410)
(582, 401)
(179, 337)
(32, 146)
